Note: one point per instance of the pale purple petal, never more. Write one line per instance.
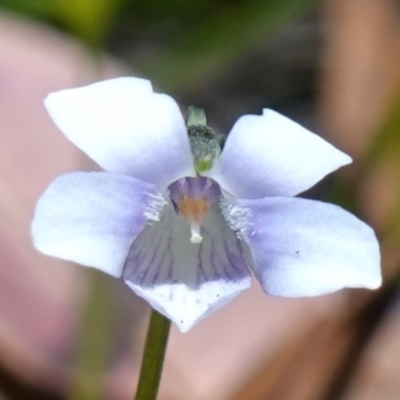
(126, 128)
(305, 248)
(271, 155)
(92, 218)
(182, 280)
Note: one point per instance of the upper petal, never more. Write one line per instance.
(271, 155)
(126, 128)
(92, 218)
(306, 248)
(182, 280)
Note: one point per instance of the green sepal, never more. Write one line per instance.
(204, 142)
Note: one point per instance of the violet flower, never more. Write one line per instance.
(186, 238)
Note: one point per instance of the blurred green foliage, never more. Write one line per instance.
(93, 344)
(89, 20)
(386, 137)
(384, 155)
(218, 40)
(194, 39)
(33, 8)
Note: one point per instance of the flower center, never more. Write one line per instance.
(192, 198)
(193, 210)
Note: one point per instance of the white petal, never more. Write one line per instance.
(126, 128)
(271, 155)
(306, 248)
(182, 280)
(92, 218)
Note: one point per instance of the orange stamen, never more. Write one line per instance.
(194, 210)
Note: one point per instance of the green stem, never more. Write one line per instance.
(153, 357)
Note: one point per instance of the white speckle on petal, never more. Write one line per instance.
(236, 216)
(155, 206)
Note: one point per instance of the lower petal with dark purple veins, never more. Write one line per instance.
(302, 247)
(186, 281)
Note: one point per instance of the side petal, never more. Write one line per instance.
(271, 155)
(92, 218)
(185, 281)
(126, 128)
(305, 248)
